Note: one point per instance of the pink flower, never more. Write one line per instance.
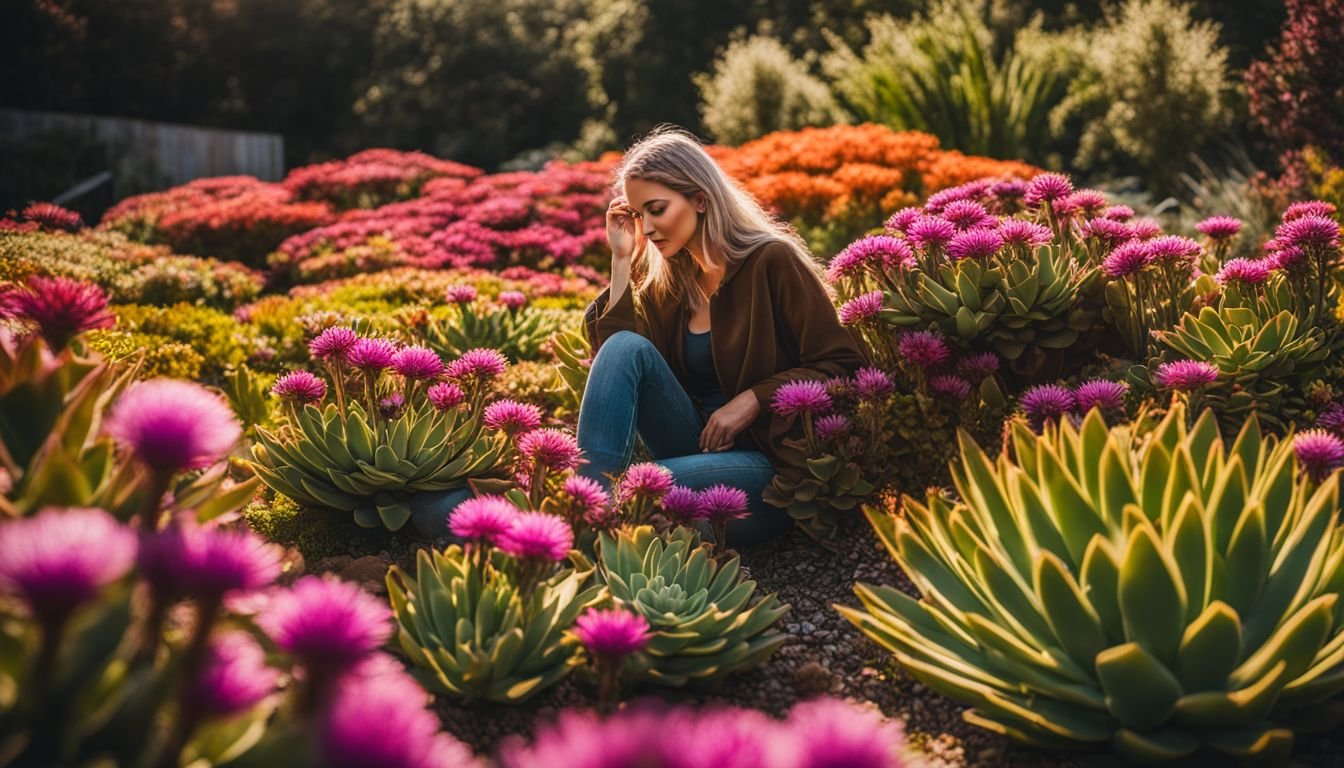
(1109, 232)
(53, 217)
(537, 535)
(978, 366)
(332, 344)
(1045, 402)
(233, 678)
(511, 416)
(832, 426)
(951, 386)
(1047, 187)
(644, 480)
(930, 230)
(1308, 232)
(614, 633)
(300, 386)
(829, 733)
(1219, 227)
(589, 500)
(62, 308)
(173, 425)
(461, 294)
(1025, 233)
(446, 395)
(1287, 258)
(682, 505)
(807, 396)
(186, 559)
(924, 349)
(1308, 208)
(1145, 229)
(1086, 201)
(59, 559)
(513, 299)
(1332, 419)
(483, 518)
(392, 406)
(1118, 213)
(1008, 190)
(1100, 393)
(967, 214)
(1319, 452)
(326, 623)
(861, 309)
(878, 253)
(1173, 248)
(479, 363)
(1186, 375)
(418, 363)
(873, 384)
(1244, 271)
(975, 244)
(550, 448)
(900, 220)
(371, 355)
(721, 502)
(1127, 259)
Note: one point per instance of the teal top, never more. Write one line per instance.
(704, 384)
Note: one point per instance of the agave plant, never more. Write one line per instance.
(337, 460)
(697, 607)
(474, 635)
(1150, 588)
(518, 333)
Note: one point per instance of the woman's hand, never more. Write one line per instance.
(624, 232)
(725, 423)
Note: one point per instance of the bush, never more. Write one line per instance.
(221, 340)
(1295, 91)
(756, 87)
(164, 357)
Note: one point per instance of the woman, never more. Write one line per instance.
(712, 306)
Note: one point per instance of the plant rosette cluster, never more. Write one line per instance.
(507, 324)
(399, 421)
(1148, 588)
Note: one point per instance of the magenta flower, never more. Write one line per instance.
(1047, 187)
(1332, 419)
(1287, 258)
(58, 559)
(1086, 201)
(479, 363)
(1145, 229)
(418, 363)
(579, 739)
(326, 623)
(614, 633)
(1219, 227)
(930, 230)
(206, 563)
(873, 384)
(302, 387)
(332, 344)
(967, 214)
(233, 677)
(1244, 271)
(1319, 452)
(682, 505)
(371, 355)
(1045, 402)
(647, 479)
(861, 309)
(901, 220)
(1118, 213)
(1025, 233)
(62, 308)
(173, 425)
(537, 535)
(1186, 375)
(924, 349)
(513, 299)
(832, 426)
(446, 395)
(979, 366)
(483, 518)
(511, 417)
(721, 502)
(945, 197)
(392, 406)
(1009, 189)
(878, 253)
(807, 396)
(588, 499)
(831, 733)
(1308, 208)
(1308, 232)
(461, 294)
(1100, 393)
(52, 217)
(550, 448)
(1127, 259)
(1109, 232)
(951, 386)
(975, 244)
(1173, 248)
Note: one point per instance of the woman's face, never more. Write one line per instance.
(668, 218)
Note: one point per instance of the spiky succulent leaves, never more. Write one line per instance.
(1150, 587)
(336, 461)
(818, 489)
(699, 609)
(519, 334)
(573, 356)
(473, 635)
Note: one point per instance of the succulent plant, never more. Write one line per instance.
(473, 635)
(573, 358)
(518, 333)
(1150, 588)
(697, 607)
(339, 461)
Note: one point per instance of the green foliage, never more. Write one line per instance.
(222, 341)
(755, 87)
(311, 530)
(1153, 588)
(519, 333)
(162, 357)
(473, 634)
(697, 606)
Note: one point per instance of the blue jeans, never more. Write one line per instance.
(633, 393)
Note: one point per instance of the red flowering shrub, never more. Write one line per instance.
(373, 177)
(1297, 91)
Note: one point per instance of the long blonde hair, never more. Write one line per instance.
(733, 220)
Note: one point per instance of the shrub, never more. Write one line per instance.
(163, 357)
(221, 340)
(1295, 89)
(371, 178)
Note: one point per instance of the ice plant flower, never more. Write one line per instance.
(511, 417)
(1186, 375)
(929, 231)
(392, 406)
(461, 294)
(418, 363)
(1244, 271)
(830, 733)
(1145, 229)
(720, 503)
(832, 426)
(1173, 249)
(482, 521)
(587, 500)
(967, 214)
(1100, 393)
(951, 386)
(873, 384)
(371, 355)
(1046, 188)
(861, 309)
(512, 299)
(1219, 228)
(1332, 419)
(537, 535)
(1020, 232)
(1046, 402)
(923, 349)
(1127, 259)
(609, 637)
(877, 253)
(481, 364)
(446, 395)
(1309, 232)
(1319, 453)
(1308, 208)
(807, 396)
(59, 559)
(62, 308)
(979, 366)
(975, 244)
(1118, 213)
(332, 344)
(552, 449)
(233, 677)
(187, 559)
(682, 505)
(900, 220)
(173, 425)
(53, 217)
(1088, 202)
(647, 479)
(1109, 232)
(326, 623)
(300, 387)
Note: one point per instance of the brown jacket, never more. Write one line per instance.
(772, 323)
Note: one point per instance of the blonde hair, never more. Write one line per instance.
(733, 220)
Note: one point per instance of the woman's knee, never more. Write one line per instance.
(621, 346)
